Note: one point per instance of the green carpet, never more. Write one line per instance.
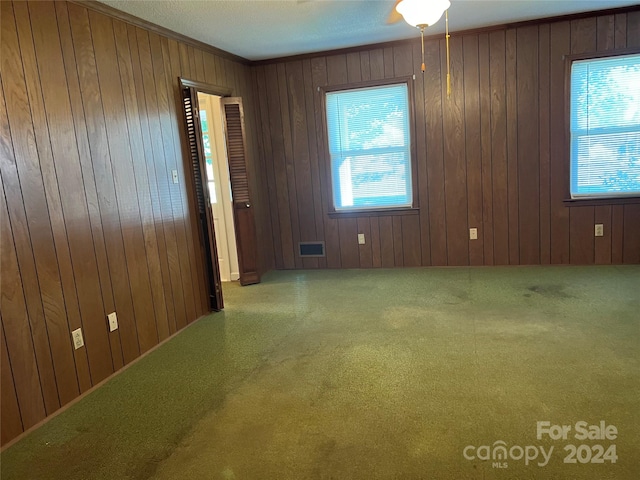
(367, 374)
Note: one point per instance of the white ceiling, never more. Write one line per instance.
(261, 29)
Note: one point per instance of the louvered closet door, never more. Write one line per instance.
(205, 215)
(242, 206)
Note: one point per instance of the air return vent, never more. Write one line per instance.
(311, 249)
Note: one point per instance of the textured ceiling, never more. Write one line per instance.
(261, 29)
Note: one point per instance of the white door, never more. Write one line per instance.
(219, 185)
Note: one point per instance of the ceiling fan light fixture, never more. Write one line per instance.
(422, 13)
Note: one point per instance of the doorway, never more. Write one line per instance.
(219, 185)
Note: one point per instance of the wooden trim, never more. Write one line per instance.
(206, 87)
(139, 22)
(470, 31)
(390, 212)
(599, 54)
(586, 202)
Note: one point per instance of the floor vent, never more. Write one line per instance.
(311, 249)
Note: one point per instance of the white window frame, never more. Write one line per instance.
(410, 207)
(574, 134)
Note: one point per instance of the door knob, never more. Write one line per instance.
(248, 205)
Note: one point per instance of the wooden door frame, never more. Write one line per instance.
(207, 234)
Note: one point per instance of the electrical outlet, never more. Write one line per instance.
(174, 175)
(361, 239)
(78, 341)
(599, 230)
(473, 234)
(113, 321)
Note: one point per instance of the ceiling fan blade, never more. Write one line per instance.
(394, 16)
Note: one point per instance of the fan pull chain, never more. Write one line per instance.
(446, 17)
(422, 39)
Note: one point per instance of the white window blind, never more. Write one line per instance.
(605, 127)
(369, 145)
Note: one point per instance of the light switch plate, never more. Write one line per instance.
(361, 239)
(473, 234)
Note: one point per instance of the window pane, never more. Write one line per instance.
(212, 192)
(369, 144)
(605, 127)
(607, 164)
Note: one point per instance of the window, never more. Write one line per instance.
(605, 127)
(370, 147)
(206, 141)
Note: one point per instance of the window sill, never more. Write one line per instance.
(375, 213)
(585, 202)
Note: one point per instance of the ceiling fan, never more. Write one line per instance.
(422, 14)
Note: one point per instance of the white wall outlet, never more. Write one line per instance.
(361, 239)
(174, 175)
(599, 230)
(113, 321)
(473, 234)
(78, 341)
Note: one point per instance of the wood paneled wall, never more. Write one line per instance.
(492, 156)
(91, 127)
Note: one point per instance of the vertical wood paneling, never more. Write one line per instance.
(25, 189)
(268, 166)
(64, 28)
(544, 123)
(15, 323)
(511, 54)
(485, 141)
(90, 129)
(124, 179)
(300, 150)
(376, 255)
(420, 141)
(433, 105)
(497, 70)
(631, 250)
(169, 193)
(411, 250)
(315, 165)
(142, 181)
(58, 323)
(10, 413)
(473, 146)
(289, 160)
(455, 168)
(364, 251)
(493, 156)
(150, 150)
(279, 165)
(398, 238)
(349, 254)
(82, 297)
(387, 257)
(560, 45)
(126, 348)
(528, 170)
